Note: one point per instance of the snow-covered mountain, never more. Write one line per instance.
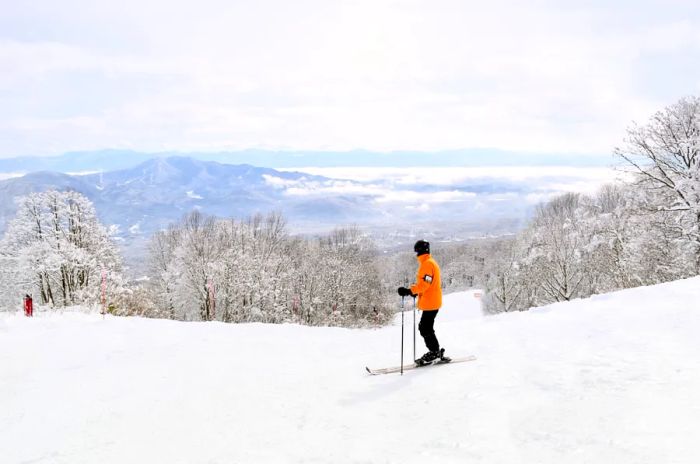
(610, 379)
(159, 191)
(163, 189)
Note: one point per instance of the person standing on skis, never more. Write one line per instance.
(427, 288)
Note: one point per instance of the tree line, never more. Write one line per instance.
(641, 232)
(202, 268)
(206, 268)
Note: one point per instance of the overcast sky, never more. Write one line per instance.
(534, 76)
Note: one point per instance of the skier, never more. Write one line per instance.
(427, 288)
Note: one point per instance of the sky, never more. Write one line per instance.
(211, 75)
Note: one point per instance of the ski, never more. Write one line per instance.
(390, 370)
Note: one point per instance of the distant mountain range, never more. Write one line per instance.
(145, 198)
(148, 197)
(110, 160)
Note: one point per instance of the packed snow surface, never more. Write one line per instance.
(610, 379)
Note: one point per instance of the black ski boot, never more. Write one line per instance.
(430, 357)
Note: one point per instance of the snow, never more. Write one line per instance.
(609, 379)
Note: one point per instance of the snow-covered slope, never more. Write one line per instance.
(610, 379)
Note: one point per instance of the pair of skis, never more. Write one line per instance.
(445, 360)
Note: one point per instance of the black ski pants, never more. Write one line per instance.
(425, 327)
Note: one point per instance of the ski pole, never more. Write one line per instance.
(402, 335)
(414, 328)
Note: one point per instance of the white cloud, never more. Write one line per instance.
(304, 187)
(379, 192)
(421, 208)
(421, 189)
(448, 176)
(313, 74)
(425, 198)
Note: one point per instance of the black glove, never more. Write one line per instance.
(403, 291)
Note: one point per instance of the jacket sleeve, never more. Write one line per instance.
(424, 279)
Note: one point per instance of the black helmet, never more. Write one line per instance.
(421, 247)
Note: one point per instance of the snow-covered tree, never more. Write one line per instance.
(60, 250)
(462, 264)
(13, 286)
(506, 284)
(577, 246)
(556, 256)
(666, 154)
(253, 271)
(352, 288)
(162, 269)
(201, 245)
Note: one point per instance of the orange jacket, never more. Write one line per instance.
(428, 284)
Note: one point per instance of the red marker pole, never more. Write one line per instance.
(295, 307)
(212, 300)
(104, 292)
(28, 306)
